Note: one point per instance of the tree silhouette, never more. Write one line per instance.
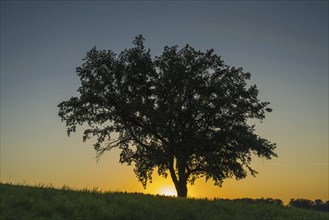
(317, 204)
(184, 113)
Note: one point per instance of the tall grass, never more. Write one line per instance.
(46, 202)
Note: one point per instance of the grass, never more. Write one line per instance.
(46, 202)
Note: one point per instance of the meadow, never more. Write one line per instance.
(47, 202)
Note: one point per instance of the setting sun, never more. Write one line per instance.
(167, 191)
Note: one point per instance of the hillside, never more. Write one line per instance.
(26, 202)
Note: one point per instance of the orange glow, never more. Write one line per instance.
(167, 191)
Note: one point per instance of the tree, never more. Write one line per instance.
(184, 113)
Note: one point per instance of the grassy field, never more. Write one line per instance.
(26, 202)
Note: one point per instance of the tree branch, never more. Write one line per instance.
(136, 139)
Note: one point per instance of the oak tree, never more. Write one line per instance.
(183, 113)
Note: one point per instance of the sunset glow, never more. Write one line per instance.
(167, 191)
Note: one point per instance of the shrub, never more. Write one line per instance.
(317, 204)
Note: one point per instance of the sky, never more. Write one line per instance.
(283, 44)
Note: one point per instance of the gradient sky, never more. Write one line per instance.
(283, 44)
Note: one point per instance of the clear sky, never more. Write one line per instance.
(283, 44)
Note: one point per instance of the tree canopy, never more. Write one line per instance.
(183, 113)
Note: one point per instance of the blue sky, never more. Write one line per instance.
(283, 44)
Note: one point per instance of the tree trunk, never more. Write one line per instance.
(181, 182)
(181, 188)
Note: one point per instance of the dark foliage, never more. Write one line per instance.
(317, 204)
(262, 200)
(184, 113)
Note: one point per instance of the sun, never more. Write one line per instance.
(167, 191)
